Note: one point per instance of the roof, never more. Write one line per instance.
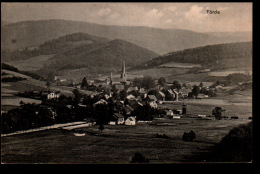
(132, 88)
(118, 115)
(152, 97)
(129, 107)
(161, 93)
(120, 86)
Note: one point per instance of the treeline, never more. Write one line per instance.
(12, 79)
(14, 69)
(205, 55)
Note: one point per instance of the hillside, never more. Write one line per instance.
(33, 33)
(99, 57)
(216, 57)
(54, 46)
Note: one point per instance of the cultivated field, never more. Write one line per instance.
(118, 143)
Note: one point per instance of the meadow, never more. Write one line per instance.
(27, 65)
(118, 143)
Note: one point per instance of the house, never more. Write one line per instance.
(102, 101)
(184, 92)
(151, 98)
(132, 88)
(134, 104)
(200, 96)
(171, 93)
(161, 96)
(120, 87)
(130, 121)
(128, 109)
(169, 112)
(153, 104)
(176, 94)
(130, 97)
(53, 95)
(118, 118)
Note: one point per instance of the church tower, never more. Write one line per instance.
(123, 73)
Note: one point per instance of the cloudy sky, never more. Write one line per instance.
(190, 16)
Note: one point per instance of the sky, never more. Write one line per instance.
(190, 16)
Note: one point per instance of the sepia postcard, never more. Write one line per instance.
(124, 83)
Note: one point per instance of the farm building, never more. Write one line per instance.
(118, 118)
(161, 96)
(130, 121)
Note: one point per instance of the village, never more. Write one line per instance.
(114, 101)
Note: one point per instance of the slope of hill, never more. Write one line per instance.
(54, 46)
(211, 56)
(99, 57)
(32, 33)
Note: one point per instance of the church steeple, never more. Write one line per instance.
(123, 73)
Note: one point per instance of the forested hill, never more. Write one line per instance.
(33, 33)
(207, 55)
(54, 46)
(99, 57)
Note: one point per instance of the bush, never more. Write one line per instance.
(139, 158)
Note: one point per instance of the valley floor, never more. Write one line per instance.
(118, 143)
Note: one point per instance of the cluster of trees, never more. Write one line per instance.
(26, 117)
(144, 82)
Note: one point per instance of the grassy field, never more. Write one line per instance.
(117, 144)
(179, 65)
(31, 64)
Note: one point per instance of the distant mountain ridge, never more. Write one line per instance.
(32, 33)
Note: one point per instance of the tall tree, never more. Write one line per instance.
(84, 83)
(195, 90)
(162, 81)
(176, 85)
(48, 84)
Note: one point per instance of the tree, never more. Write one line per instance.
(201, 84)
(48, 84)
(162, 81)
(122, 94)
(101, 128)
(77, 96)
(84, 83)
(176, 85)
(217, 112)
(148, 82)
(196, 90)
(145, 82)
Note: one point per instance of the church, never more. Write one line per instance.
(116, 81)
